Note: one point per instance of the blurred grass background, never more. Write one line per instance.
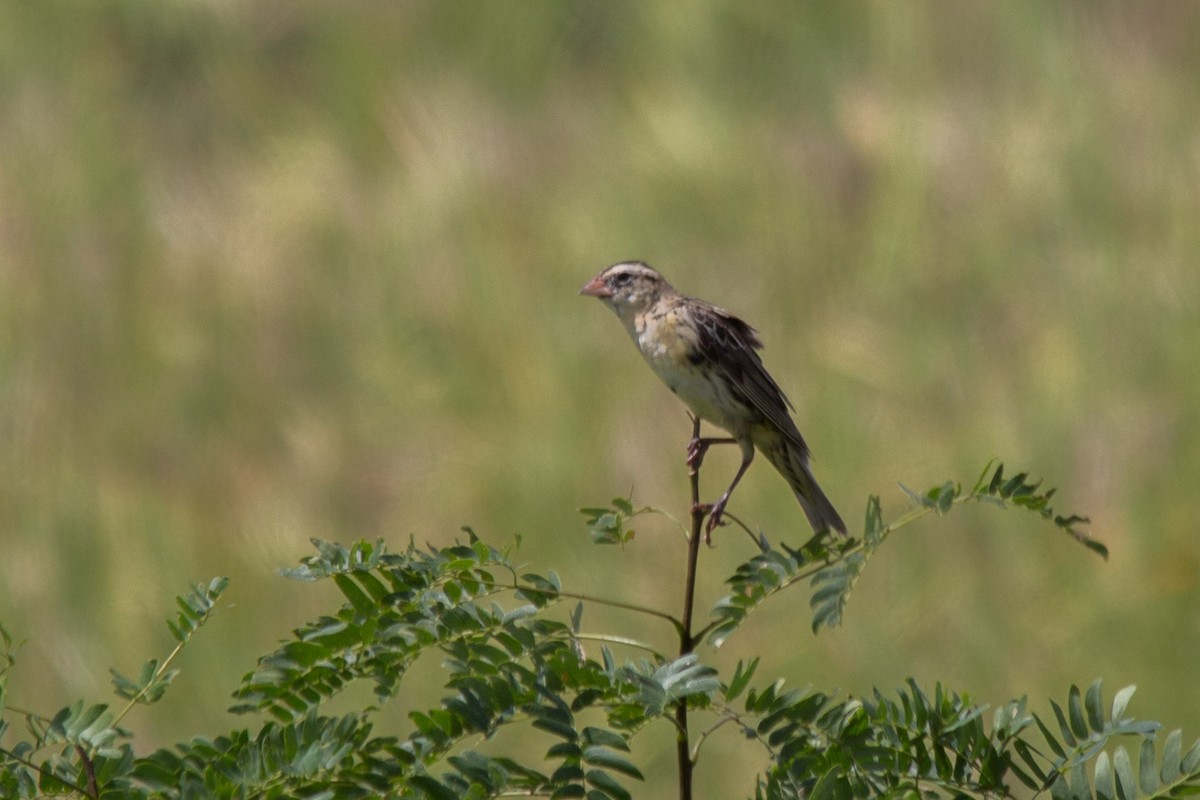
(276, 271)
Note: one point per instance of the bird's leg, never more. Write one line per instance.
(718, 508)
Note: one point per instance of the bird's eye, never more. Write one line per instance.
(621, 279)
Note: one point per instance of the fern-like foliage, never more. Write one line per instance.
(611, 524)
(914, 744)
(85, 741)
(1016, 491)
(1084, 730)
(505, 662)
(152, 681)
(512, 657)
(832, 568)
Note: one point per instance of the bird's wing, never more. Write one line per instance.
(730, 345)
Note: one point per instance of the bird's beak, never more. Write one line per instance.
(596, 288)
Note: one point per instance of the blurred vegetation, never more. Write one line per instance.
(270, 272)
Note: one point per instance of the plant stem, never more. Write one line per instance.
(158, 673)
(621, 640)
(682, 745)
(93, 790)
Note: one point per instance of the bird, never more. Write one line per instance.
(709, 358)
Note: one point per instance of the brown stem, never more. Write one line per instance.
(89, 769)
(686, 644)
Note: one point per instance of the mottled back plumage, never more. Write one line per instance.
(730, 345)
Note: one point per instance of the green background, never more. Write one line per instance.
(271, 271)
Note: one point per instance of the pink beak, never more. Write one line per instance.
(596, 288)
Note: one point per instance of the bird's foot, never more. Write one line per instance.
(696, 449)
(716, 518)
(705, 510)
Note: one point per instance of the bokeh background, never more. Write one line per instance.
(275, 271)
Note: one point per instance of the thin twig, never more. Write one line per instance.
(607, 639)
(753, 536)
(587, 598)
(704, 734)
(682, 745)
(158, 673)
(42, 770)
(89, 769)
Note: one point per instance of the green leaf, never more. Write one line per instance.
(432, 788)
(1013, 483)
(1091, 544)
(1075, 710)
(1123, 767)
(997, 479)
(1121, 702)
(1191, 761)
(685, 677)
(829, 600)
(604, 738)
(827, 786)
(941, 498)
(1031, 760)
(1102, 777)
(555, 720)
(603, 757)
(1093, 704)
(1147, 772)
(741, 679)
(873, 527)
(1171, 757)
(1079, 784)
(981, 483)
(1063, 727)
(946, 497)
(565, 750)
(359, 599)
(914, 496)
(1052, 742)
(372, 585)
(607, 784)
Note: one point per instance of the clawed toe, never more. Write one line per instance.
(716, 518)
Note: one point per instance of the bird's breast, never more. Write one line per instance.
(671, 347)
(665, 340)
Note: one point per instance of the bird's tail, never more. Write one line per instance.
(792, 463)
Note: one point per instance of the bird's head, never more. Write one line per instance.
(628, 288)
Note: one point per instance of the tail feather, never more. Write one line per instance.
(792, 464)
(819, 510)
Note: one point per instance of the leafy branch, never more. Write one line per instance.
(1016, 491)
(833, 568)
(195, 609)
(88, 735)
(510, 662)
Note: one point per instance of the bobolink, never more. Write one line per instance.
(707, 357)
